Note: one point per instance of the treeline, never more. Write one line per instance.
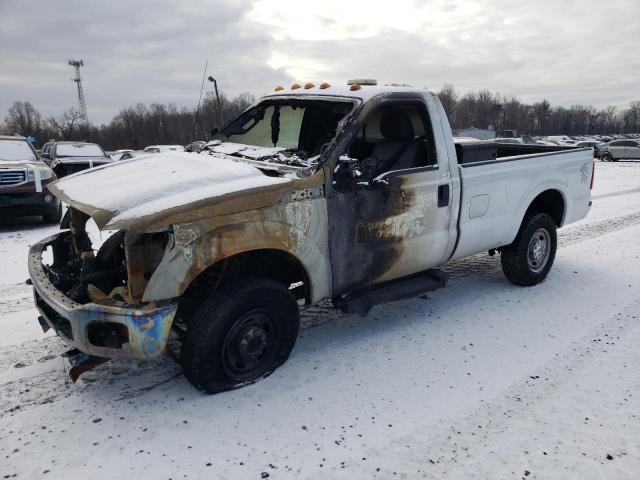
(141, 125)
(133, 127)
(485, 109)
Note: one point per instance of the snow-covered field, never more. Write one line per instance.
(481, 379)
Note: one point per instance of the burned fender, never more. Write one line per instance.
(298, 228)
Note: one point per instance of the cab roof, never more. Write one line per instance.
(364, 93)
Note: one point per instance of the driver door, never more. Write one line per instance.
(393, 219)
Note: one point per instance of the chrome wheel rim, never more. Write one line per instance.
(539, 250)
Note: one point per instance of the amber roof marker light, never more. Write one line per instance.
(324, 85)
(295, 86)
(354, 87)
(309, 85)
(278, 88)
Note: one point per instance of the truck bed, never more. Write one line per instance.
(499, 185)
(471, 152)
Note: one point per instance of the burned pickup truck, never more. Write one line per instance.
(354, 193)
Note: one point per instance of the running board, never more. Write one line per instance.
(362, 301)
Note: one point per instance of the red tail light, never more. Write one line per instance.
(593, 174)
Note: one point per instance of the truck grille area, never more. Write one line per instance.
(12, 177)
(60, 325)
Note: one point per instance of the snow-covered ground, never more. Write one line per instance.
(481, 379)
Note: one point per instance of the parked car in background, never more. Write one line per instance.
(134, 154)
(117, 154)
(195, 146)
(66, 158)
(561, 139)
(549, 143)
(164, 148)
(600, 149)
(24, 181)
(587, 144)
(518, 141)
(621, 149)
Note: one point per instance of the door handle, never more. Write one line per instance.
(443, 195)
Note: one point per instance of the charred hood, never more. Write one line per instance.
(152, 190)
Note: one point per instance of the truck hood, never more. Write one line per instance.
(151, 190)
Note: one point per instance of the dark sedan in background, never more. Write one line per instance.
(23, 182)
(66, 158)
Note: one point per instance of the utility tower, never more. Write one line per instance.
(81, 103)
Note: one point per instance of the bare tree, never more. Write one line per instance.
(141, 125)
(23, 118)
(65, 126)
(449, 99)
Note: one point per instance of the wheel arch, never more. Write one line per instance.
(244, 248)
(552, 202)
(272, 263)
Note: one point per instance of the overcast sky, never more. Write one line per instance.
(570, 52)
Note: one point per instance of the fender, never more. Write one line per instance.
(297, 228)
(560, 187)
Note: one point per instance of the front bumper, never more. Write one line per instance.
(147, 325)
(24, 200)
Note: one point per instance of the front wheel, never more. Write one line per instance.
(239, 334)
(606, 157)
(529, 258)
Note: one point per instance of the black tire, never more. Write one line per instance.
(53, 217)
(239, 334)
(523, 262)
(111, 254)
(605, 157)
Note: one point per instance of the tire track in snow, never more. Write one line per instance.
(483, 428)
(615, 194)
(36, 373)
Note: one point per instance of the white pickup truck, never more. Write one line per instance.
(353, 193)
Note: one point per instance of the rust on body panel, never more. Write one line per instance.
(291, 219)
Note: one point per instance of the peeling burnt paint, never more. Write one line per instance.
(297, 227)
(360, 251)
(381, 232)
(147, 325)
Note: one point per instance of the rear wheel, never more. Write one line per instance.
(239, 334)
(529, 258)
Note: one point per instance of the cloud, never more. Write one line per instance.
(568, 52)
(143, 51)
(154, 51)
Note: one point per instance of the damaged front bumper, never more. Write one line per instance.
(110, 330)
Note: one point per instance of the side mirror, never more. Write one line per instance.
(349, 164)
(346, 173)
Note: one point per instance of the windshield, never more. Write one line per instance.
(303, 126)
(79, 150)
(15, 150)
